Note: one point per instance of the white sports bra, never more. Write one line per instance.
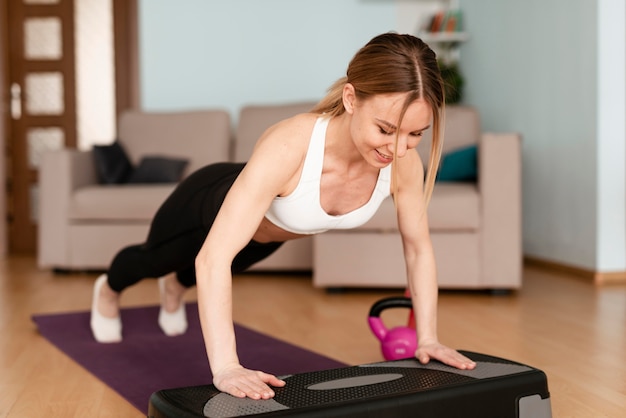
(301, 212)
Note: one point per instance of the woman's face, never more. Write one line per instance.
(374, 126)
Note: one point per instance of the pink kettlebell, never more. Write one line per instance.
(396, 343)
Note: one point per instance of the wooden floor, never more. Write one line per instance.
(569, 328)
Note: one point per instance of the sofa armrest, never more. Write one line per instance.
(60, 173)
(500, 186)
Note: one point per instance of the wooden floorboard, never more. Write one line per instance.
(570, 328)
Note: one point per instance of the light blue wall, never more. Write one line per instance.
(531, 67)
(227, 53)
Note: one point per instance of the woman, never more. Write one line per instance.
(327, 169)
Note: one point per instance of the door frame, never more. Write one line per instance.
(126, 47)
(126, 56)
(4, 123)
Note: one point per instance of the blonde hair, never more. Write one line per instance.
(394, 63)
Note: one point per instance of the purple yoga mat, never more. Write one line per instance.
(148, 361)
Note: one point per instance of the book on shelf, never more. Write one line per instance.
(445, 21)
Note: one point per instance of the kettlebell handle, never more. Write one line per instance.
(388, 303)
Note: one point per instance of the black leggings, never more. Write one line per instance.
(179, 229)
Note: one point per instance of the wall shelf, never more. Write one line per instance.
(444, 37)
(445, 44)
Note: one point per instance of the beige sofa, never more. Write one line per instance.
(82, 223)
(475, 227)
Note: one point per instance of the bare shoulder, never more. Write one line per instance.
(279, 154)
(292, 133)
(410, 169)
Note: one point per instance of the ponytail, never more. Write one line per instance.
(332, 103)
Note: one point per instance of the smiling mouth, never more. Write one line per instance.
(384, 156)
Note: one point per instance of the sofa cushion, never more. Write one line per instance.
(255, 119)
(118, 203)
(202, 137)
(462, 129)
(453, 207)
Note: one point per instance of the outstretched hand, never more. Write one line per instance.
(240, 382)
(433, 350)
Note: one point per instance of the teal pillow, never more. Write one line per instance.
(459, 165)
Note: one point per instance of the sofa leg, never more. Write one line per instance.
(66, 271)
(336, 290)
(500, 292)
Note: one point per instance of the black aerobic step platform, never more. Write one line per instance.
(496, 388)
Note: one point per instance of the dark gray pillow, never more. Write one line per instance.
(112, 163)
(158, 170)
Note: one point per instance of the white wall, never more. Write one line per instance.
(611, 183)
(535, 67)
(95, 73)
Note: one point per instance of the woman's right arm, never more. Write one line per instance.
(268, 173)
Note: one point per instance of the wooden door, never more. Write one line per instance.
(42, 104)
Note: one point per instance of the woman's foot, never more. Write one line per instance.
(172, 316)
(106, 324)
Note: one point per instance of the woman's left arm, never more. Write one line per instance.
(420, 262)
